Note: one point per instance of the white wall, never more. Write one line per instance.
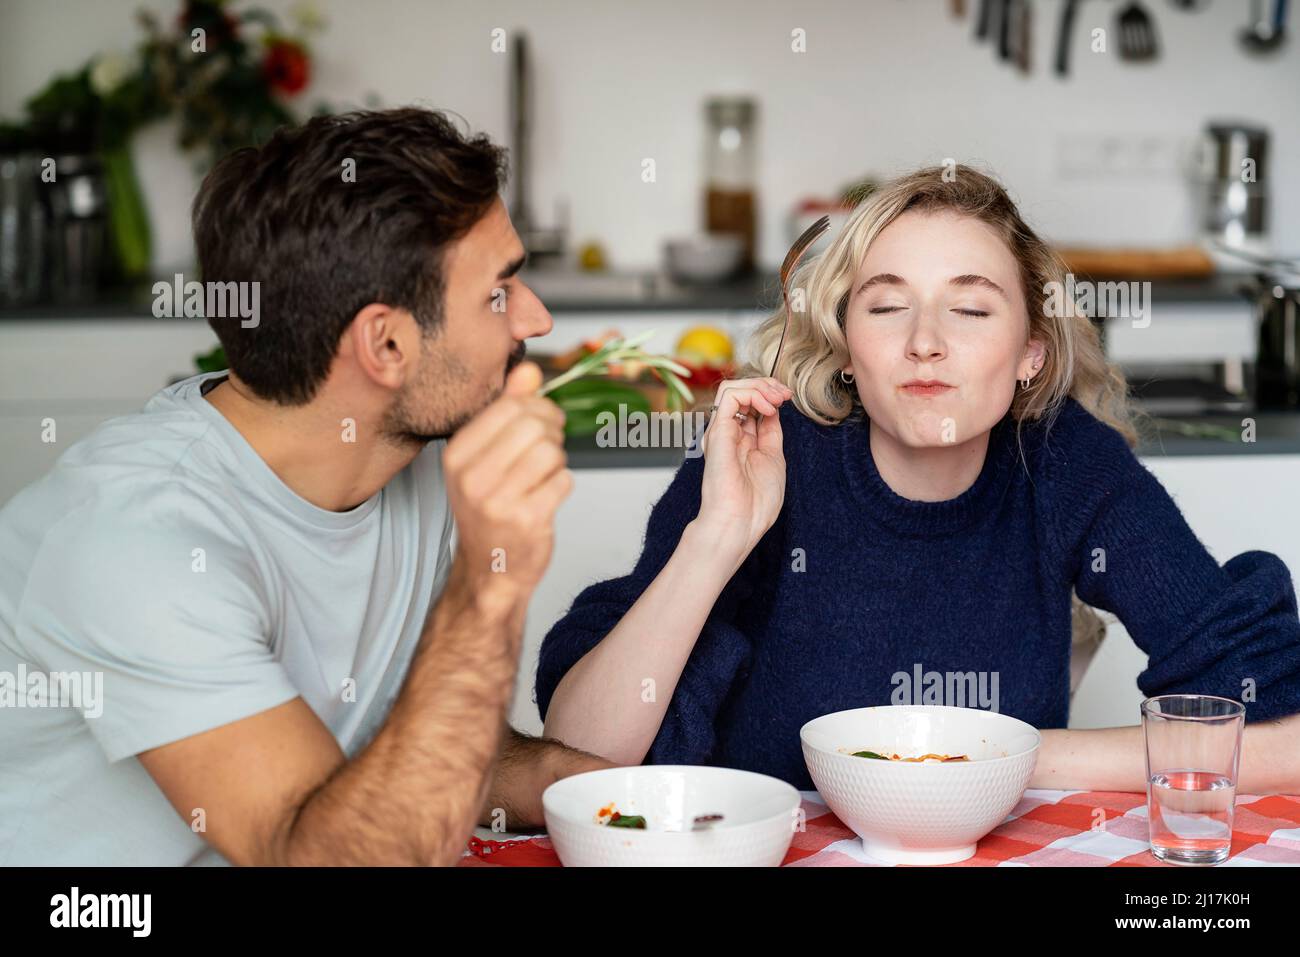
(884, 85)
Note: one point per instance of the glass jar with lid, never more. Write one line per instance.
(730, 174)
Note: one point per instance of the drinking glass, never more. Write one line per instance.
(1193, 752)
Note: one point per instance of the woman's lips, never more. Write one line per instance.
(921, 390)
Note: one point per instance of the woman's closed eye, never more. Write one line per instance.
(972, 313)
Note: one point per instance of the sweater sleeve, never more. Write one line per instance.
(1230, 630)
(721, 653)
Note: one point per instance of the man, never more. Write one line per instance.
(260, 564)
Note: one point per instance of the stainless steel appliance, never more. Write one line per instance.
(1237, 189)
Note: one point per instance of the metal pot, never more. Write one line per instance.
(1277, 365)
(1275, 290)
(79, 228)
(24, 227)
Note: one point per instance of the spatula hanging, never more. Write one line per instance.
(1137, 33)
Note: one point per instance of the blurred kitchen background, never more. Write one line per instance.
(664, 156)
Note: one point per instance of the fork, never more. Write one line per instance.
(810, 236)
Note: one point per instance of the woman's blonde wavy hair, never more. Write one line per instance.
(1074, 363)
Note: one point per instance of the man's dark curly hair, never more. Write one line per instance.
(323, 244)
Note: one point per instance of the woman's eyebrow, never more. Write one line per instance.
(972, 279)
(884, 278)
(965, 279)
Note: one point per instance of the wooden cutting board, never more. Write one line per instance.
(1183, 262)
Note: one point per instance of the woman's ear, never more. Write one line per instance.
(1032, 360)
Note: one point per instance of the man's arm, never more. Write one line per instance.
(1113, 759)
(275, 787)
(525, 767)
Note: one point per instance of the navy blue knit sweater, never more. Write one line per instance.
(855, 586)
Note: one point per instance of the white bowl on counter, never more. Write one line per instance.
(759, 817)
(703, 258)
(920, 813)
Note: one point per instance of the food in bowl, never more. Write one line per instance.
(924, 757)
(610, 817)
(921, 812)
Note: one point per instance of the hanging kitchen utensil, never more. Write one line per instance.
(1063, 37)
(1137, 34)
(1267, 29)
(1021, 33)
(1004, 29)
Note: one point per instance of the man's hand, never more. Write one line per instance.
(525, 768)
(506, 477)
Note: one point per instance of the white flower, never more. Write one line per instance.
(307, 15)
(109, 72)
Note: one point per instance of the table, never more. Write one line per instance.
(1048, 828)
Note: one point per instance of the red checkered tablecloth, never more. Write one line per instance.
(1046, 829)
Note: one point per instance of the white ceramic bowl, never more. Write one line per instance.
(708, 257)
(920, 813)
(760, 814)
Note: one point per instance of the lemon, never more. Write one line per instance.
(591, 258)
(706, 344)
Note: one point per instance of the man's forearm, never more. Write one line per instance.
(413, 795)
(525, 767)
(1114, 759)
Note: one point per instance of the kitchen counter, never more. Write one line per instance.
(570, 292)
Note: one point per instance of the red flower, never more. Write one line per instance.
(286, 66)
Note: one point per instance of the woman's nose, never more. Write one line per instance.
(924, 342)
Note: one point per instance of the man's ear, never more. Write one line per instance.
(384, 343)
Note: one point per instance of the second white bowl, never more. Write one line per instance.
(915, 813)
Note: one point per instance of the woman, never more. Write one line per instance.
(942, 456)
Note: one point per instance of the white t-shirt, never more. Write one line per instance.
(163, 559)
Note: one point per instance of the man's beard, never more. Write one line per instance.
(442, 381)
(516, 357)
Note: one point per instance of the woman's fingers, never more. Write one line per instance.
(770, 388)
(768, 436)
(732, 402)
(747, 396)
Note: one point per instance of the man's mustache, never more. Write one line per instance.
(516, 357)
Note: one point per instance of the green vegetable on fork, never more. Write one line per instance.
(628, 350)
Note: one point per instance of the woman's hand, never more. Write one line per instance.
(744, 465)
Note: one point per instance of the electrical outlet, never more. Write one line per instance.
(1120, 156)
